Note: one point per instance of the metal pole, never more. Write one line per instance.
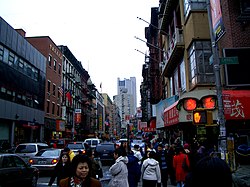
(222, 146)
(73, 125)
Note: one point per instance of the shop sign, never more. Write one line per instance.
(171, 115)
(236, 104)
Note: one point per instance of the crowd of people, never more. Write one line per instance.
(162, 164)
(157, 166)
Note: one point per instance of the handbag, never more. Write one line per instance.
(184, 164)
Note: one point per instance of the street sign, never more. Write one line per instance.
(229, 60)
(78, 110)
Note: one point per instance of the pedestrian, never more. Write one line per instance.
(70, 153)
(62, 169)
(119, 171)
(137, 153)
(170, 158)
(96, 171)
(151, 173)
(162, 159)
(134, 169)
(180, 159)
(210, 171)
(80, 174)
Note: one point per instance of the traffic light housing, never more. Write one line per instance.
(202, 116)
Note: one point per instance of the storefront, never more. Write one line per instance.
(178, 118)
(237, 114)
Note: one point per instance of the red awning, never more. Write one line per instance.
(171, 115)
(236, 104)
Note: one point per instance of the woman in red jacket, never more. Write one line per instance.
(178, 161)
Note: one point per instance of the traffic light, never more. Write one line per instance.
(202, 116)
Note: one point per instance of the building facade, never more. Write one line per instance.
(194, 76)
(54, 86)
(22, 84)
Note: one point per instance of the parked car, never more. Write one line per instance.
(105, 152)
(118, 142)
(77, 147)
(46, 159)
(15, 172)
(92, 142)
(27, 150)
(138, 142)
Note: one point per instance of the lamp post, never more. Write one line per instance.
(221, 120)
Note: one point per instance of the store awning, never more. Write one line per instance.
(171, 115)
(236, 104)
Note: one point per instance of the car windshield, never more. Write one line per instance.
(75, 146)
(46, 153)
(26, 149)
(137, 141)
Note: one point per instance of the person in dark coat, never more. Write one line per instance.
(62, 169)
(162, 159)
(134, 169)
(210, 171)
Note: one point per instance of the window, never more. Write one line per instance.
(49, 60)
(200, 70)
(48, 86)
(54, 89)
(1, 52)
(48, 103)
(58, 110)
(53, 108)
(20, 63)
(194, 5)
(59, 69)
(55, 64)
(11, 58)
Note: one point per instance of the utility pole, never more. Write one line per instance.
(222, 146)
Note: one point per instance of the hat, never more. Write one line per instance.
(186, 146)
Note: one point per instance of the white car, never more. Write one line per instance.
(137, 142)
(27, 150)
(92, 142)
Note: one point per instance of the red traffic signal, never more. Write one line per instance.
(202, 117)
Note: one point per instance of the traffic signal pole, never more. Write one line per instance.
(222, 143)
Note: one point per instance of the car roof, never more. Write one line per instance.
(33, 144)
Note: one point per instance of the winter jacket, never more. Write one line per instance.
(134, 171)
(71, 155)
(119, 172)
(151, 170)
(60, 172)
(177, 164)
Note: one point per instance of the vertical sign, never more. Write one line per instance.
(218, 26)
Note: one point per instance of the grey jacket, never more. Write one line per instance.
(151, 170)
(119, 172)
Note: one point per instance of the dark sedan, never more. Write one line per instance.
(46, 159)
(15, 172)
(105, 152)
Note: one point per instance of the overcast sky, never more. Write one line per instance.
(100, 33)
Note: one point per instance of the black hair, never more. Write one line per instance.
(82, 159)
(62, 154)
(152, 154)
(210, 171)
